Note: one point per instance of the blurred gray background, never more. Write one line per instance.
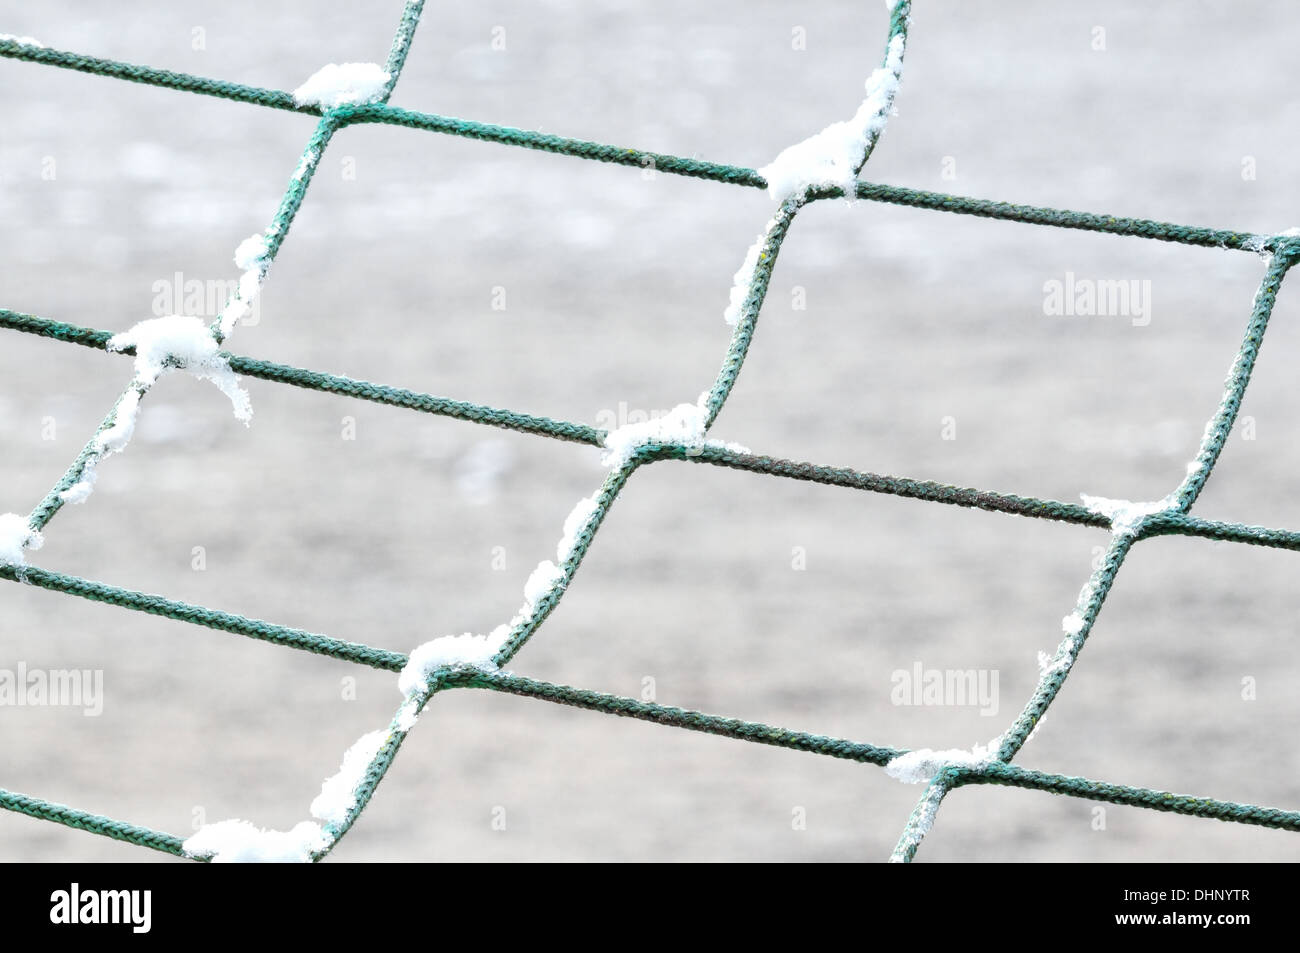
(615, 286)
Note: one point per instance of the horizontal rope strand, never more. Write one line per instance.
(92, 823)
(209, 618)
(756, 732)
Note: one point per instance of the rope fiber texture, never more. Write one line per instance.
(1174, 520)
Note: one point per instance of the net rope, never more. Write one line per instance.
(1172, 518)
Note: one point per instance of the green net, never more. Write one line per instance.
(1129, 523)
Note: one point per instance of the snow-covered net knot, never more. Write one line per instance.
(1126, 516)
(17, 536)
(682, 426)
(182, 342)
(921, 766)
(1258, 243)
(833, 156)
(347, 84)
(448, 650)
(480, 651)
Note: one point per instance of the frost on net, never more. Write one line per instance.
(343, 85)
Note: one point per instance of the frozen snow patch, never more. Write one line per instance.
(744, 277)
(22, 41)
(252, 257)
(118, 434)
(833, 156)
(467, 649)
(917, 767)
(17, 536)
(80, 491)
(1125, 515)
(407, 715)
(305, 164)
(1255, 243)
(927, 810)
(240, 842)
(727, 445)
(111, 440)
(338, 794)
(546, 577)
(236, 841)
(1049, 665)
(187, 343)
(252, 252)
(682, 426)
(343, 85)
(574, 524)
(1042, 719)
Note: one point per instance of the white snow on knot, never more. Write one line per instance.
(447, 650)
(920, 766)
(1125, 515)
(682, 426)
(16, 536)
(345, 85)
(1256, 243)
(1072, 624)
(832, 156)
(239, 842)
(190, 345)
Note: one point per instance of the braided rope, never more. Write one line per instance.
(1175, 520)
